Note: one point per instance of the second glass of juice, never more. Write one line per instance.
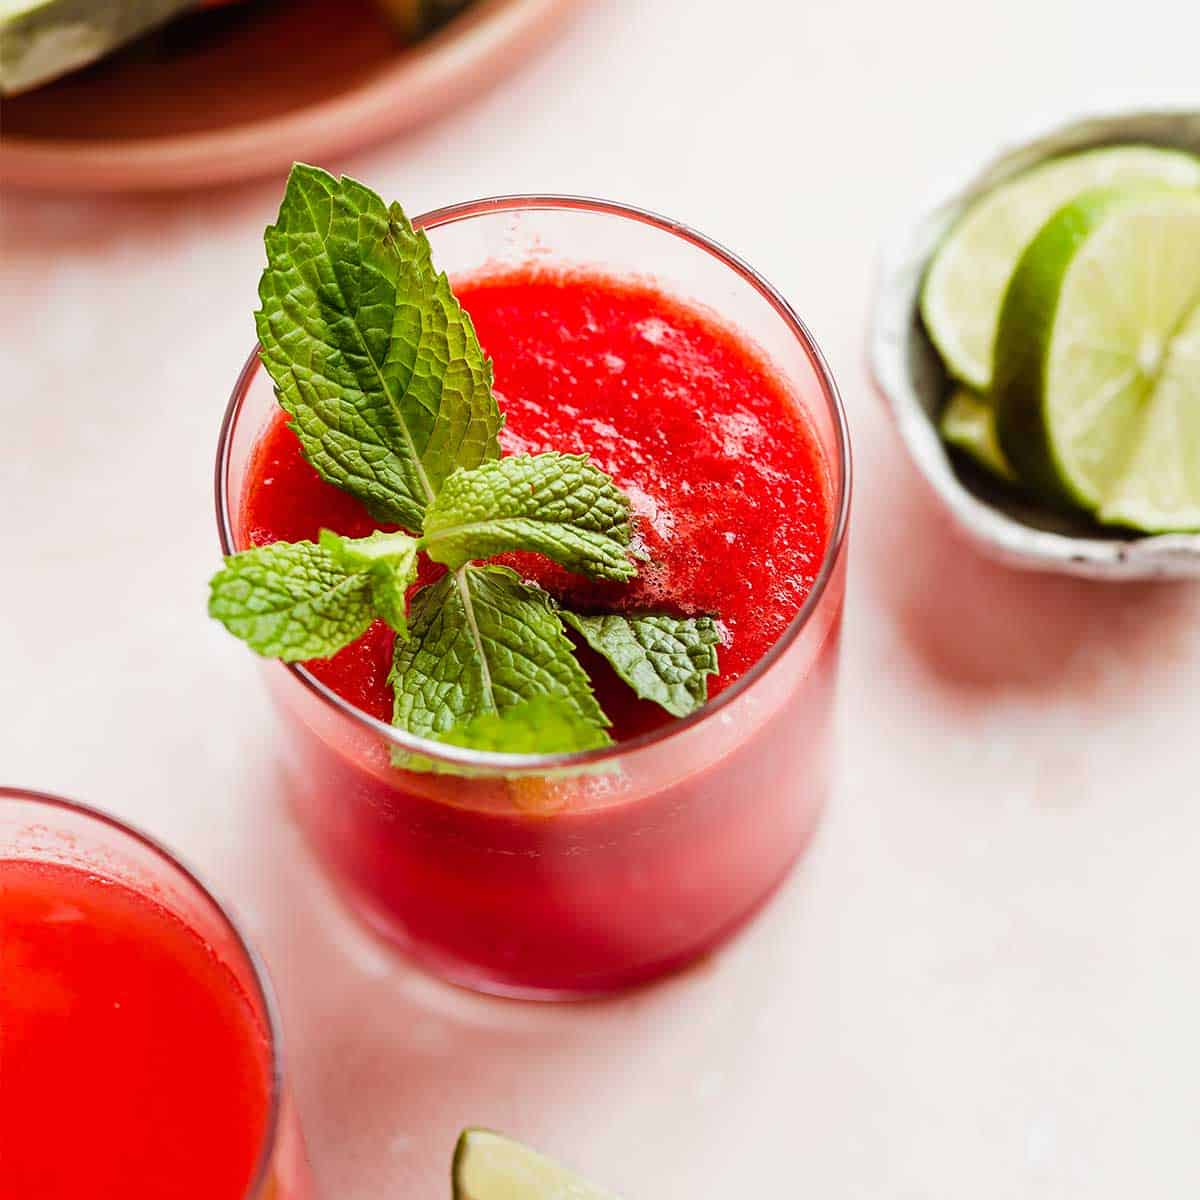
(139, 1049)
(687, 377)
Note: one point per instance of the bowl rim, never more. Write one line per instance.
(900, 271)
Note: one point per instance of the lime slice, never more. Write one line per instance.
(43, 39)
(969, 424)
(488, 1166)
(1086, 331)
(1160, 488)
(964, 286)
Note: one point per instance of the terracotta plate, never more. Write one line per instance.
(247, 90)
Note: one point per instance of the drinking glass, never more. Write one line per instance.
(568, 875)
(36, 827)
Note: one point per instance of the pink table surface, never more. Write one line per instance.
(984, 981)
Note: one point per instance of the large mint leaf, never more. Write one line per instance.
(481, 641)
(369, 350)
(539, 726)
(554, 504)
(664, 659)
(390, 559)
(291, 600)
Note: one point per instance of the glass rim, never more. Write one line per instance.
(264, 1162)
(493, 761)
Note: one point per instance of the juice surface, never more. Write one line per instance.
(730, 493)
(132, 1065)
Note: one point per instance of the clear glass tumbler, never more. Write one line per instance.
(35, 827)
(562, 876)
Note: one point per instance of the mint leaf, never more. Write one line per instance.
(291, 600)
(664, 659)
(554, 504)
(539, 726)
(390, 560)
(481, 641)
(370, 352)
(390, 395)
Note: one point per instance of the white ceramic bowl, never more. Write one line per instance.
(1004, 524)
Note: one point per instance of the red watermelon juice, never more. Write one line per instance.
(137, 1059)
(575, 884)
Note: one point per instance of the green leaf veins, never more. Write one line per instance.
(291, 601)
(558, 505)
(481, 641)
(371, 354)
(663, 658)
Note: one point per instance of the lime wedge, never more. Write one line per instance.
(969, 424)
(1160, 488)
(964, 286)
(488, 1166)
(1086, 332)
(43, 39)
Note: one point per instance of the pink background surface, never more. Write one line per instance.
(984, 980)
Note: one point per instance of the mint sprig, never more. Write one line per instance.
(391, 399)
